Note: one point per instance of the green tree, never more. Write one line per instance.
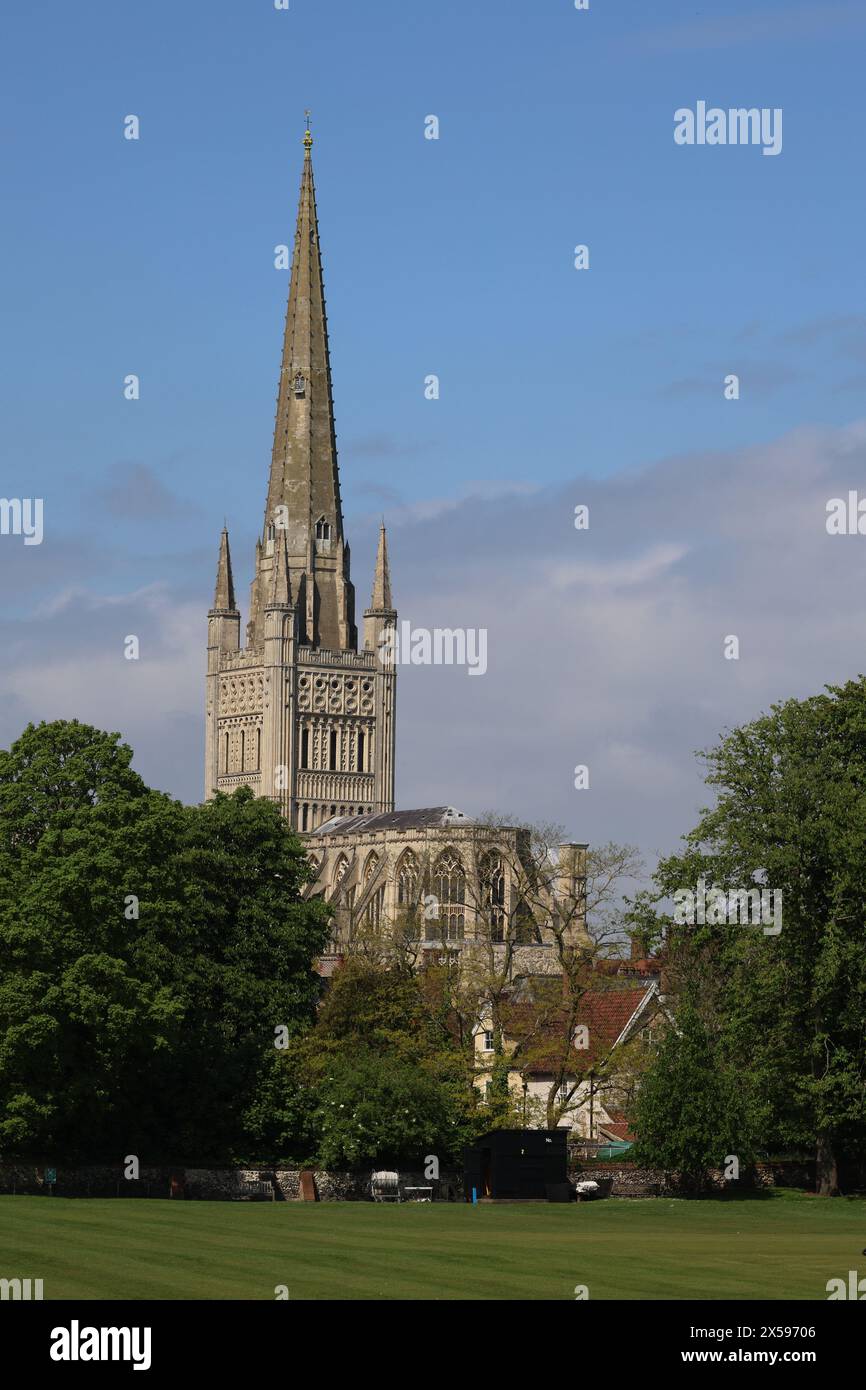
(380, 1108)
(787, 1011)
(689, 1114)
(148, 950)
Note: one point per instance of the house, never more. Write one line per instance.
(574, 1061)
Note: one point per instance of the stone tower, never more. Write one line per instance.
(298, 713)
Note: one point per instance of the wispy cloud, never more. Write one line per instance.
(788, 23)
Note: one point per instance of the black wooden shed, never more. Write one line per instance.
(516, 1163)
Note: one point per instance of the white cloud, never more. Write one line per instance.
(605, 646)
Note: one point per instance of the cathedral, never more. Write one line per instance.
(304, 711)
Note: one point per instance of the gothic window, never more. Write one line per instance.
(525, 927)
(449, 889)
(300, 384)
(305, 816)
(323, 534)
(373, 910)
(305, 748)
(407, 878)
(492, 875)
(333, 750)
(361, 751)
(243, 750)
(226, 755)
(258, 749)
(342, 868)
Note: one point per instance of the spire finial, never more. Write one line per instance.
(308, 139)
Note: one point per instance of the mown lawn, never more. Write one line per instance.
(786, 1245)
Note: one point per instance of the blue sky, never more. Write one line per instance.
(452, 257)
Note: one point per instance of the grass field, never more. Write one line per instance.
(784, 1245)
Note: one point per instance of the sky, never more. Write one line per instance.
(455, 257)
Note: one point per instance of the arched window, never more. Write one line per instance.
(407, 879)
(340, 870)
(323, 534)
(491, 873)
(373, 910)
(449, 889)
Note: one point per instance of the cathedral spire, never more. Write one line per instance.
(304, 485)
(224, 595)
(381, 600)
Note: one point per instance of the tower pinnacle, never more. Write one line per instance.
(224, 594)
(381, 600)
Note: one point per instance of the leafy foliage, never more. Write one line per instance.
(136, 1034)
(786, 1013)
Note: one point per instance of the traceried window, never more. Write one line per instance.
(323, 534)
(340, 871)
(492, 876)
(449, 890)
(407, 880)
(373, 910)
(525, 926)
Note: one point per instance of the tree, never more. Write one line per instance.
(689, 1114)
(149, 951)
(381, 1108)
(786, 1010)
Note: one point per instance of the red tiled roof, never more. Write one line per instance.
(619, 1129)
(540, 1033)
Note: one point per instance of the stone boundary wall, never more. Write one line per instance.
(629, 1180)
(210, 1184)
(284, 1184)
